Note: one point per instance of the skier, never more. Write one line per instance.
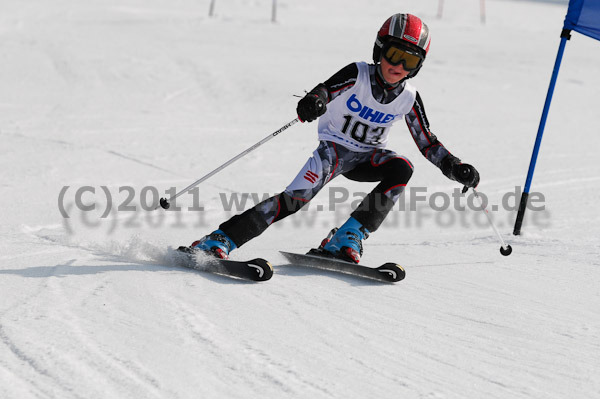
(356, 107)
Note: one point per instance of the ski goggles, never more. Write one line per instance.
(396, 55)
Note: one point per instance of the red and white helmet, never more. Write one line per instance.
(406, 29)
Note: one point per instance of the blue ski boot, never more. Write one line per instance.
(216, 243)
(346, 242)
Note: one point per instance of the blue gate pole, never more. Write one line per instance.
(565, 35)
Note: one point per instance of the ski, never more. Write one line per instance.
(255, 269)
(389, 272)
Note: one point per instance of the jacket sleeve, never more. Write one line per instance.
(428, 144)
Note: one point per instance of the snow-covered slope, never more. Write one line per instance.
(125, 97)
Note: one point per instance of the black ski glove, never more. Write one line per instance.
(461, 172)
(312, 105)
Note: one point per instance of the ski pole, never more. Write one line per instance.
(504, 249)
(166, 203)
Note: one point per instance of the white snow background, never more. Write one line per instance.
(155, 93)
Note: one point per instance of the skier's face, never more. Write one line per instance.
(392, 73)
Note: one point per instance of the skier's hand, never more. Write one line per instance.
(466, 174)
(310, 107)
(461, 172)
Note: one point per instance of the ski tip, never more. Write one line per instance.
(264, 269)
(393, 272)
